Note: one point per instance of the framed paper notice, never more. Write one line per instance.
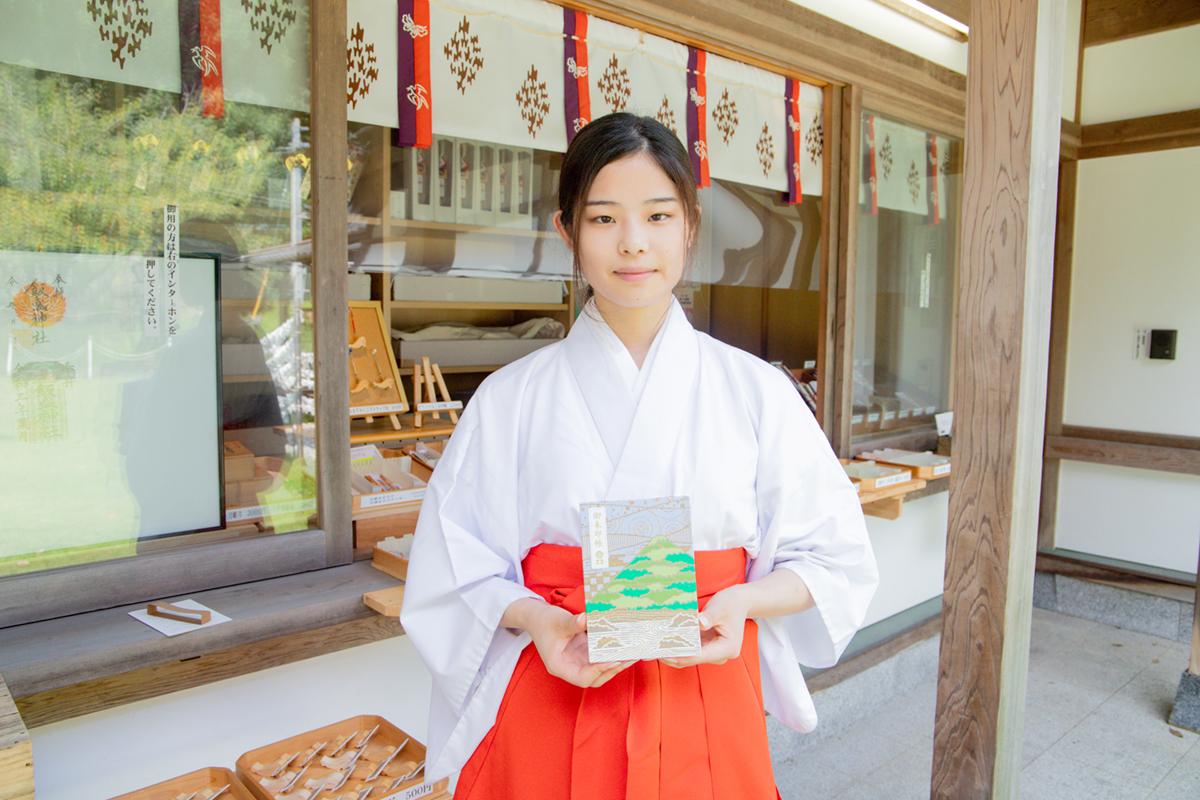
(110, 400)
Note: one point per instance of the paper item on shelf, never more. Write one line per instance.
(170, 627)
(400, 545)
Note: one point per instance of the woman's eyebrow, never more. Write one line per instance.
(651, 201)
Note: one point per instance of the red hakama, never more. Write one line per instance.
(651, 733)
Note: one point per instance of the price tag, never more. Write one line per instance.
(441, 405)
(391, 498)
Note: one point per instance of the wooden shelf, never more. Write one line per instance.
(445, 305)
(459, 370)
(381, 430)
(462, 227)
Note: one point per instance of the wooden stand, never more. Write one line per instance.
(375, 386)
(427, 379)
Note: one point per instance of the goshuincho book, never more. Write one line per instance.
(639, 580)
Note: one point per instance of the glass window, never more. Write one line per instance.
(154, 261)
(756, 277)
(904, 276)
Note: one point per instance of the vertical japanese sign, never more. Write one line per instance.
(150, 304)
(171, 267)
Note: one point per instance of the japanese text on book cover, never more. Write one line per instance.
(639, 579)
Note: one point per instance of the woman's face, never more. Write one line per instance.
(633, 236)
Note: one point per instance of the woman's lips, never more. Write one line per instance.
(635, 274)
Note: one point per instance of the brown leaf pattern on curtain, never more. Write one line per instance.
(614, 85)
(270, 20)
(124, 23)
(766, 150)
(725, 116)
(361, 68)
(814, 139)
(464, 54)
(533, 101)
(666, 115)
(885, 156)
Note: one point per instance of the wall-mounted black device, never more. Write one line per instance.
(1162, 344)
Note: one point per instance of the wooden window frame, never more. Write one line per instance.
(855, 101)
(36, 596)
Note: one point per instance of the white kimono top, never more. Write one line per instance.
(577, 422)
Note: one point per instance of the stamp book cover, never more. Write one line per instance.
(639, 578)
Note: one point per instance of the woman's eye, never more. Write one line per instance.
(659, 216)
(603, 219)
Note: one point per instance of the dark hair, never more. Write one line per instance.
(612, 137)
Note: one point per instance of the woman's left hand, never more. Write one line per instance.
(722, 624)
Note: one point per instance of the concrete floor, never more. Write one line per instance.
(1097, 704)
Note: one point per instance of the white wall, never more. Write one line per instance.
(911, 552)
(1153, 74)
(1131, 514)
(135, 745)
(1135, 266)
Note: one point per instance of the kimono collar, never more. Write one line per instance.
(637, 414)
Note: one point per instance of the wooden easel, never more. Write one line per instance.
(374, 377)
(427, 379)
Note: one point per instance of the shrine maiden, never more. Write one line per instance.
(633, 404)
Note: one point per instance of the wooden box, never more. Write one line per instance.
(409, 491)
(374, 753)
(209, 778)
(391, 563)
(370, 530)
(239, 462)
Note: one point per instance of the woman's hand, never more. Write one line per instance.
(561, 640)
(722, 625)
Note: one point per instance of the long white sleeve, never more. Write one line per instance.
(812, 523)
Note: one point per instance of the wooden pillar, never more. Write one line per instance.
(1006, 253)
(330, 334)
(842, 390)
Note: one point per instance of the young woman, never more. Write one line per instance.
(634, 403)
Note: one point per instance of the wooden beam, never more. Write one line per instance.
(330, 336)
(843, 312)
(111, 691)
(831, 212)
(16, 751)
(1141, 135)
(1123, 454)
(926, 19)
(955, 9)
(1112, 20)
(1003, 325)
(1060, 320)
(1072, 139)
(1132, 437)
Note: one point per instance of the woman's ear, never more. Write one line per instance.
(562, 231)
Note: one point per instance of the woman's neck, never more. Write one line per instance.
(635, 327)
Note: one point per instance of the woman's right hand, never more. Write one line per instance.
(561, 640)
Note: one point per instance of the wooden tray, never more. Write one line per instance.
(211, 778)
(386, 737)
(889, 476)
(908, 460)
